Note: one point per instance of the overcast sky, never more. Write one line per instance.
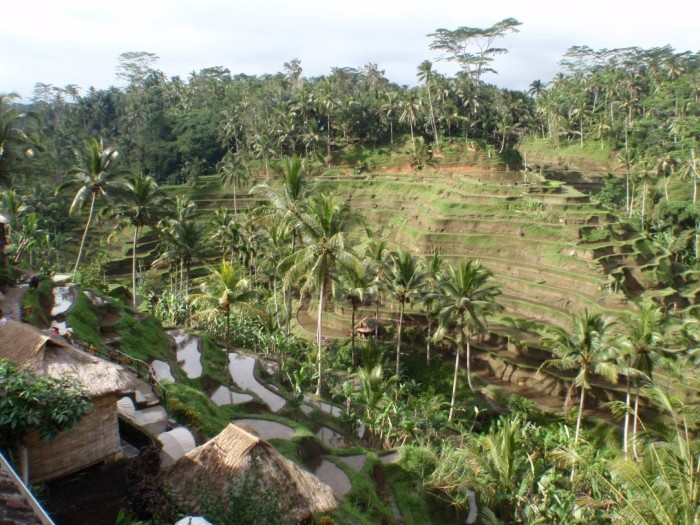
(63, 42)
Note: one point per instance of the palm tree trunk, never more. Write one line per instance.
(352, 344)
(628, 399)
(376, 320)
(432, 117)
(277, 307)
(319, 337)
(228, 328)
(634, 426)
(469, 363)
(454, 385)
(287, 291)
(428, 346)
(579, 417)
(133, 266)
(87, 226)
(644, 197)
(235, 206)
(398, 344)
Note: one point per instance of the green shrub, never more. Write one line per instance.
(37, 303)
(84, 322)
(143, 338)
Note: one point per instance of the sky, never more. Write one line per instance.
(62, 42)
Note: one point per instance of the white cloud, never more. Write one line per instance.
(75, 41)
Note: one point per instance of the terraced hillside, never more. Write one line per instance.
(553, 250)
(528, 232)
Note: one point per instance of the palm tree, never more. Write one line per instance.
(665, 168)
(233, 173)
(495, 466)
(357, 284)
(16, 135)
(277, 246)
(433, 265)
(143, 204)
(288, 202)
(425, 75)
(388, 108)
(376, 260)
(93, 175)
(406, 282)
(185, 242)
(323, 227)
(411, 107)
(644, 347)
(467, 293)
(225, 288)
(589, 348)
(664, 488)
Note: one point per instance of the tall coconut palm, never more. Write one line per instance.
(357, 284)
(376, 260)
(644, 347)
(288, 201)
(666, 167)
(496, 466)
(225, 288)
(233, 173)
(389, 107)
(664, 488)
(315, 264)
(589, 348)
(467, 294)
(16, 135)
(94, 175)
(434, 266)
(406, 283)
(411, 107)
(142, 204)
(184, 242)
(426, 75)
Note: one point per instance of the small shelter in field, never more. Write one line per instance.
(231, 455)
(368, 327)
(96, 437)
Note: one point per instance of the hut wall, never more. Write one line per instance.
(94, 439)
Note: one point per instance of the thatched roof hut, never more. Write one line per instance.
(230, 455)
(49, 356)
(368, 327)
(96, 437)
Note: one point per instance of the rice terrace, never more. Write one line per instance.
(283, 298)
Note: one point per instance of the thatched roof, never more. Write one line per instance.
(368, 325)
(228, 456)
(55, 357)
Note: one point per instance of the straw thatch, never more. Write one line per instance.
(368, 326)
(50, 356)
(230, 455)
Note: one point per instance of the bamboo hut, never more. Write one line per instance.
(96, 437)
(367, 327)
(230, 455)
